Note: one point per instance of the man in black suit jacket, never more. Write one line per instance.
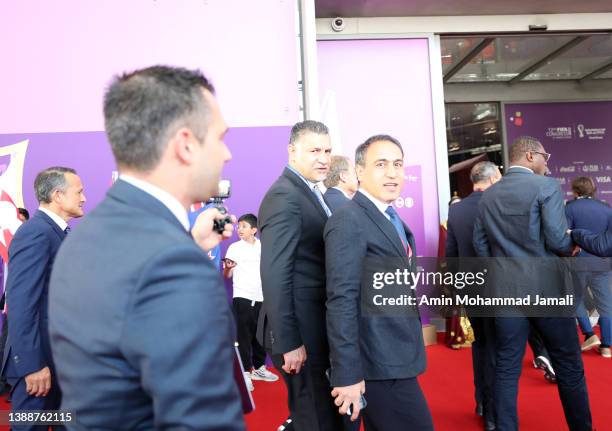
(461, 219)
(28, 364)
(140, 324)
(522, 216)
(292, 216)
(379, 353)
(341, 183)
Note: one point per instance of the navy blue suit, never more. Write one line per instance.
(594, 216)
(523, 216)
(335, 199)
(140, 325)
(31, 256)
(385, 351)
(597, 244)
(460, 230)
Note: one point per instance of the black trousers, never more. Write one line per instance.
(396, 405)
(560, 338)
(311, 406)
(246, 313)
(483, 363)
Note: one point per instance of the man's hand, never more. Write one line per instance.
(203, 232)
(576, 250)
(347, 395)
(294, 360)
(38, 384)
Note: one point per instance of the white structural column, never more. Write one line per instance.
(310, 74)
(439, 122)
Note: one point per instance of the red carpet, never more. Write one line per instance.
(449, 390)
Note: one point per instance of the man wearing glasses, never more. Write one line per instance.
(522, 217)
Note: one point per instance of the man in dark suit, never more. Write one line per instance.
(341, 183)
(522, 216)
(291, 220)
(140, 324)
(28, 364)
(380, 354)
(461, 219)
(586, 212)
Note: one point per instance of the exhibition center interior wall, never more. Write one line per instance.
(58, 58)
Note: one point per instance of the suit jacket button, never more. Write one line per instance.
(16, 358)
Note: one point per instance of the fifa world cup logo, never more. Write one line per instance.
(580, 128)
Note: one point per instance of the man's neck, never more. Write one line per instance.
(53, 208)
(171, 187)
(346, 192)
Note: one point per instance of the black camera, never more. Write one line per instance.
(224, 192)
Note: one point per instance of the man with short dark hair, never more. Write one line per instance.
(292, 216)
(341, 182)
(522, 216)
(378, 354)
(131, 274)
(28, 363)
(585, 212)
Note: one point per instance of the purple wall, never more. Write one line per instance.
(62, 54)
(259, 155)
(370, 87)
(577, 134)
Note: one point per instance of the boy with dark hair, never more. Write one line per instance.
(242, 264)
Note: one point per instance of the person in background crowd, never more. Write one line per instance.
(381, 355)
(522, 216)
(292, 216)
(140, 324)
(586, 212)
(28, 364)
(461, 219)
(23, 214)
(241, 263)
(341, 183)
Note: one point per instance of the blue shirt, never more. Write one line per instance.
(215, 254)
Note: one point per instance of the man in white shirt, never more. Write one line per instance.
(242, 264)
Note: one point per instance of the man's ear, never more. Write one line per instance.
(359, 172)
(343, 177)
(182, 145)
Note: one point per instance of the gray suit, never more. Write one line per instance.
(140, 325)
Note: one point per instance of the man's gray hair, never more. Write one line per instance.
(50, 180)
(338, 165)
(482, 171)
(522, 145)
(308, 126)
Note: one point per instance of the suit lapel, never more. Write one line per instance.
(384, 224)
(60, 233)
(298, 182)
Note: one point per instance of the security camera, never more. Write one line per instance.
(337, 24)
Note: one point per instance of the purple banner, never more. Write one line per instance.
(577, 134)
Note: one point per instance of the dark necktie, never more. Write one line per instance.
(399, 227)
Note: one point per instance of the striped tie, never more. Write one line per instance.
(399, 227)
(319, 196)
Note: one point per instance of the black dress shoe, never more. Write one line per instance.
(479, 409)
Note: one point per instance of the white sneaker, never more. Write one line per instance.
(589, 343)
(248, 381)
(262, 373)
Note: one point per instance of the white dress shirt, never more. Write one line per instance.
(57, 219)
(169, 201)
(382, 206)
